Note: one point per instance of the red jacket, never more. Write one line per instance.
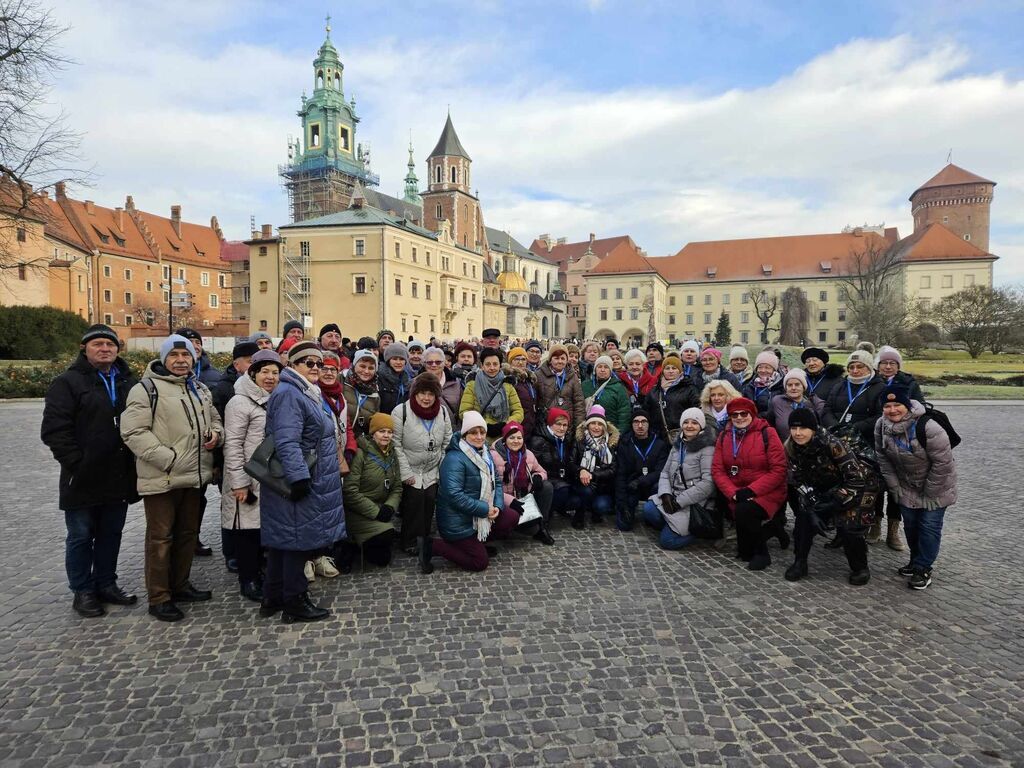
(763, 471)
(647, 383)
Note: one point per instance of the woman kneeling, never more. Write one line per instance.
(521, 476)
(373, 491)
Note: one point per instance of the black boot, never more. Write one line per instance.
(166, 612)
(759, 561)
(301, 608)
(202, 550)
(542, 535)
(425, 551)
(252, 590)
(579, 520)
(269, 607)
(856, 550)
(783, 537)
(87, 605)
(836, 543)
(114, 595)
(797, 570)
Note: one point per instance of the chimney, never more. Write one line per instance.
(60, 190)
(858, 232)
(176, 219)
(591, 238)
(546, 239)
(119, 218)
(90, 208)
(129, 203)
(562, 241)
(267, 232)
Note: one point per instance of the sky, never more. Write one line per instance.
(671, 120)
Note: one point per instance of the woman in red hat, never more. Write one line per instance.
(750, 470)
(522, 475)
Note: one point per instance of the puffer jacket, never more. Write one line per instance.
(299, 423)
(563, 467)
(245, 420)
(393, 387)
(690, 482)
(827, 465)
(500, 453)
(666, 405)
(525, 384)
(205, 372)
(863, 412)
(613, 398)
(781, 406)
(603, 476)
(168, 444)
(630, 463)
(451, 396)
(420, 453)
(915, 474)
(80, 427)
(359, 415)
(761, 462)
(823, 384)
(224, 389)
(375, 480)
(702, 379)
(470, 403)
(458, 495)
(569, 398)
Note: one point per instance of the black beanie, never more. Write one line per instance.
(100, 331)
(327, 328)
(244, 349)
(291, 324)
(897, 393)
(190, 333)
(821, 354)
(639, 410)
(803, 417)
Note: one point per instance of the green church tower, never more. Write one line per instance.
(324, 165)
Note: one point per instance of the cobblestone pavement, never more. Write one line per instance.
(602, 650)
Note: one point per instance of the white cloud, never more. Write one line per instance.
(843, 139)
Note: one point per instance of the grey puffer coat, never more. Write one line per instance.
(412, 443)
(692, 485)
(245, 421)
(914, 474)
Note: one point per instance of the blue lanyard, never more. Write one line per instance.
(735, 445)
(428, 425)
(401, 390)
(533, 392)
(643, 456)
(560, 447)
(515, 469)
(797, 405)
(850, 397)
(560, 380)
(360, 399)
(810, 386)
(381, 464)
(682, 454)
(110, 384)
(908, 444)
(635, 383)
(758, 391)
(687, 369)
(326, 406)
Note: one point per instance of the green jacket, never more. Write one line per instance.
(365, 490)
(614, 399)
(167, 438)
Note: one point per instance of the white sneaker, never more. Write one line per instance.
(324, 566)
(308, 570)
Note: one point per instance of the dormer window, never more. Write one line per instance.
(766, 269)
(826, 266)
(712, 271)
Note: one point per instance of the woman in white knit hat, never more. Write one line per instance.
(765, 383)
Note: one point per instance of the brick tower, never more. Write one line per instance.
(957, 199)
(448, 196)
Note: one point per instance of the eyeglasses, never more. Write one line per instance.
(311, 362)
(739, 415)
(640, 422)
(329, 368)
(433, 362)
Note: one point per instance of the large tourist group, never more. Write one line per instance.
(376, 448)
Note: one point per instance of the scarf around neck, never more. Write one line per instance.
(490, 391)
(596, 452)
(332, 394)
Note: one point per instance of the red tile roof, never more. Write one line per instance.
(560, 254)
(197, 244)
(234, 250)
(937, 243)
(950, 176)
(96, 222)
(623, 261)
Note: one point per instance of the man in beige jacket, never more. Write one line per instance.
(171, 426)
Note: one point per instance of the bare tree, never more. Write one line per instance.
(795, 323)
(871, 284)
(37, 148)
(980, 317)
(156, 314)
(766, 306)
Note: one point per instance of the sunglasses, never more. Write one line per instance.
(739, 415)
(311, 362)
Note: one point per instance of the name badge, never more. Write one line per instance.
(643, 471)
(361, 421)
(561, 401)
(387, 484)
(561, 473)
(430, 446)
(632, 399)
(734, 470)
(847, 418)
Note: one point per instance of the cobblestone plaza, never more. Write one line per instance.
(603, 650)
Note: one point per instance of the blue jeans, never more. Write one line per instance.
(93, 544)
(598, 504)
(668, 539)
(924, 534)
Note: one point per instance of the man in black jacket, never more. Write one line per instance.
(641, 456)
(97, 471)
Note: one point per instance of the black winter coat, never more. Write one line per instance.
(630, 480)
(665, 407)
(393, 388)
(224, 389)
(205, 371)
(762, 397)
(564, 471)
(823, 384)
(80, 428)
(863, 412)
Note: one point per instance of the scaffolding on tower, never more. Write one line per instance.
(295, 282)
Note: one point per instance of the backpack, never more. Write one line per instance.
(931, 413)
(154, 394)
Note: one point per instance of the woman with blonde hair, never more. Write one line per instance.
(715, 396)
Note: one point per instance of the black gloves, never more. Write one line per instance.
(300, 489)
(744, 494)
(517, 505)
(669, 503)
(536, 483)
(632, 486)
(385, 513)
(818, 525)
(494, 430)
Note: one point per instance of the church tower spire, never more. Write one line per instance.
(412, 184)
(448, 195)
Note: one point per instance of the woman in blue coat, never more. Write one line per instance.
(470, 503)
(312, 518)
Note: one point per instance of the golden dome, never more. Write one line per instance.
(512, 281)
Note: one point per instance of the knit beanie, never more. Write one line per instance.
(817, 352)
(464, 346)
(327, 329)
(396, 349)
(715, 353)
(291, 325)
(656, 345)
(554, 414)
(365, 354)
(304, 349)
(262, 358)
(596, 413)
(865, 346)
(260, 335)
(861, 356)
(693, 413)
(738, 353)
(472, 420)
(572, 349)
(286, 345)
(897, 393)
(634, 354)
(510, 427)
(672, 359)
(425, 382)
(803, 417)
(767, 357)
(533, 344)
(604, 360)
(416, 344)
(890, 353)
(100, 331)
(176, 341)
(741, 404)
(795, 374)
(385, 332)
(516, 352)
(690, 345)
(244, 349)
(557, 349)
(639, 410)
(189, 333)
(381, 420)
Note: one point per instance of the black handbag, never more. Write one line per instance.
(265, 467)
(705, 521)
